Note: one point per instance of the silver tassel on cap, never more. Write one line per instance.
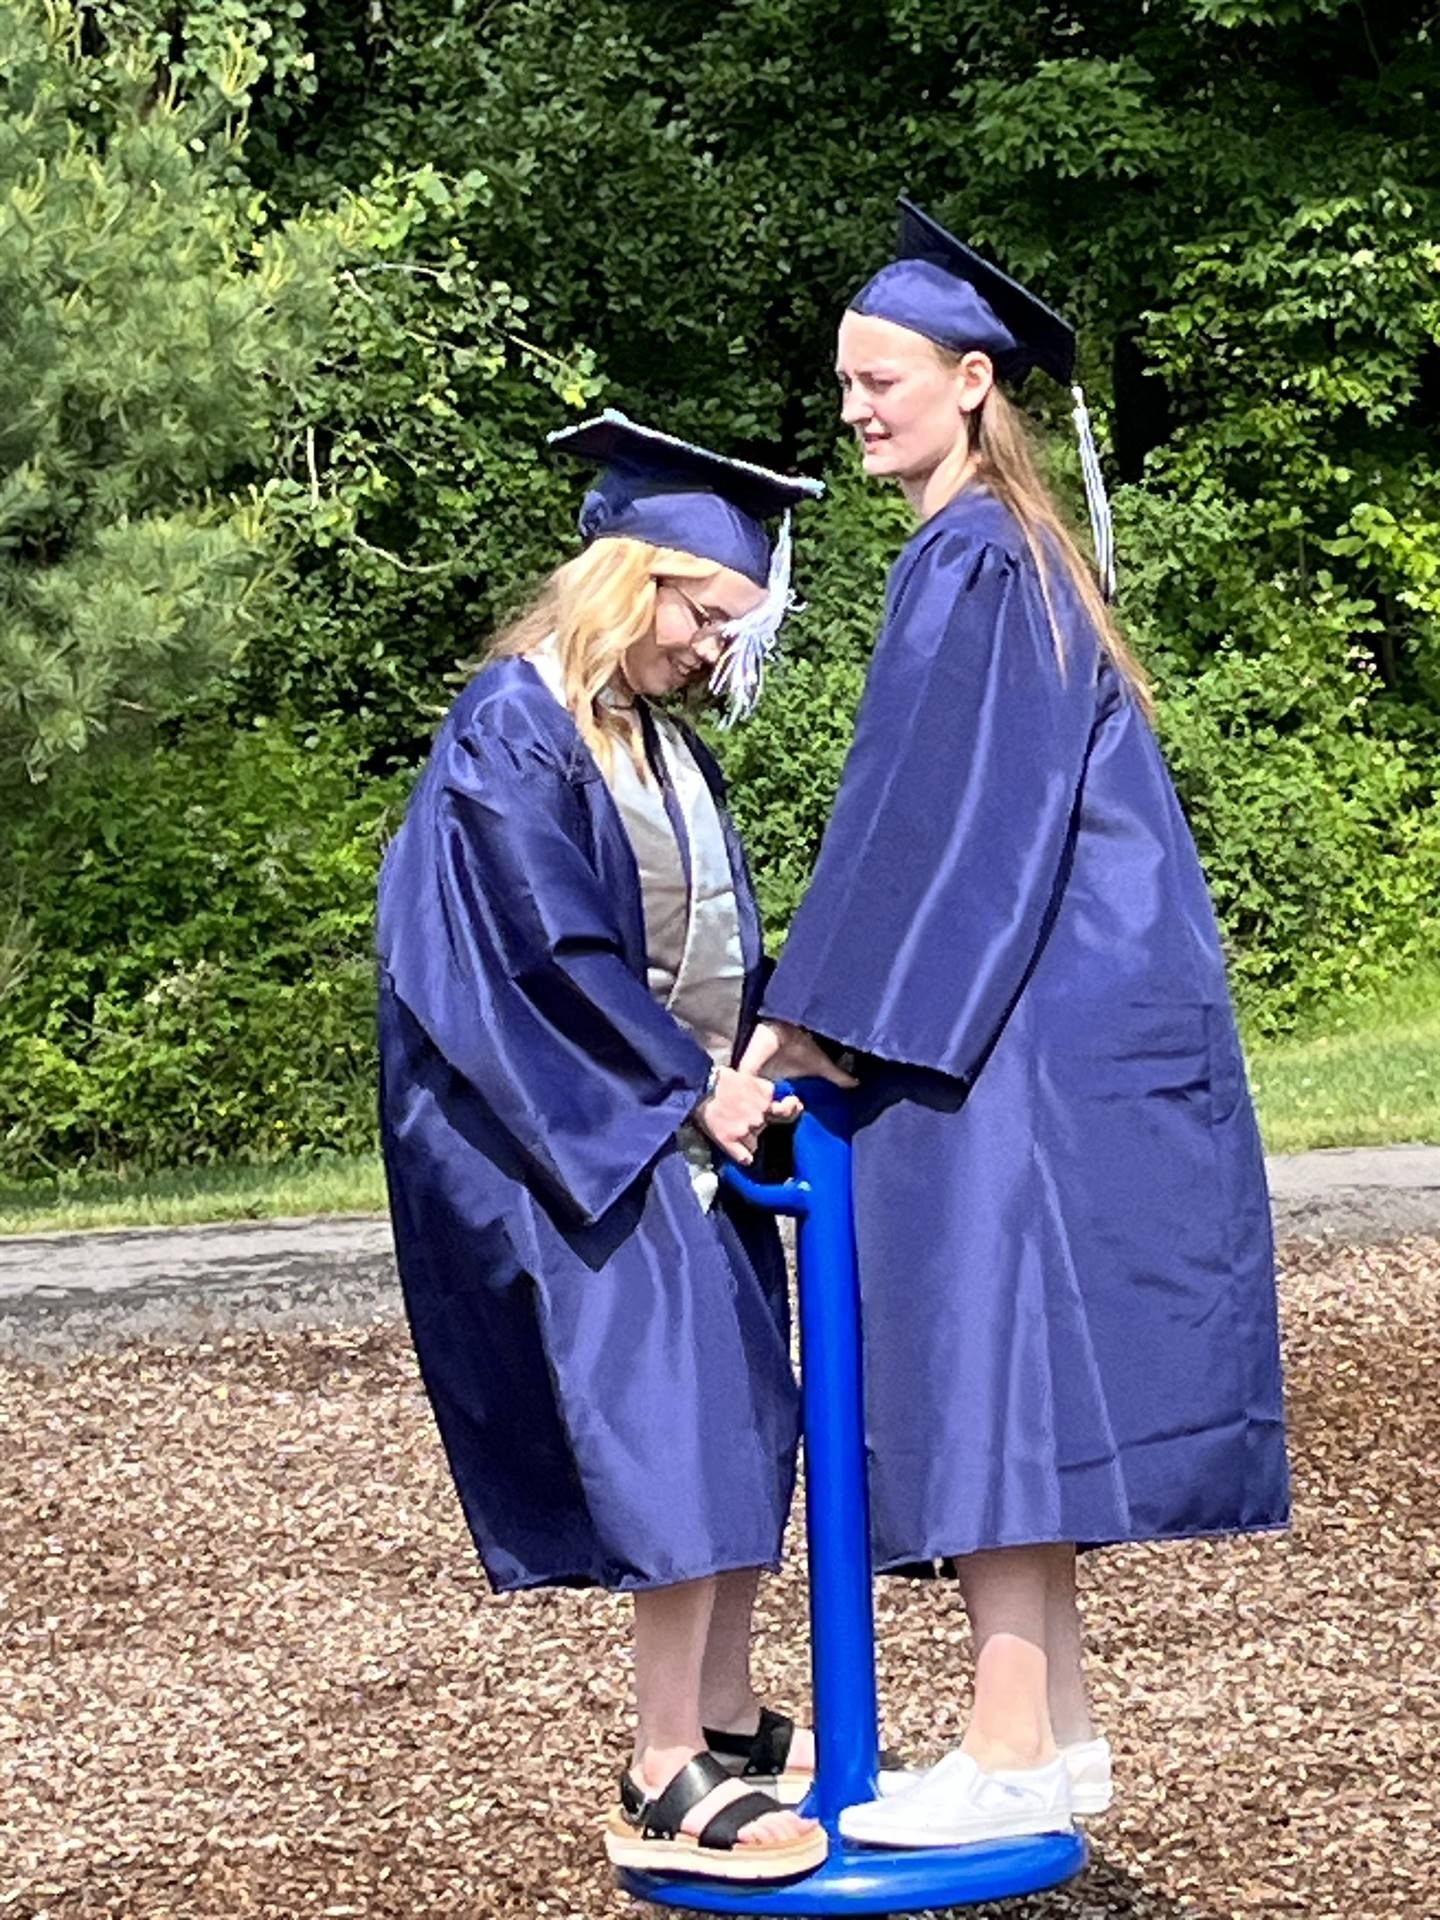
(1096, 498)
(750, 641)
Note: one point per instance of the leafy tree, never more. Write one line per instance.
(153, 329)
(254, 477)
(414, 497)
(197, 982)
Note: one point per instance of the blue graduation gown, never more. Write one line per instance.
(1061, 1211)
(607, 1362)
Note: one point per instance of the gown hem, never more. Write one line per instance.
(580, 1582)
(919, 1565)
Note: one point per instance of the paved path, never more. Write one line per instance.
(63, 1291)
(67, 1290)
(1356, 1193)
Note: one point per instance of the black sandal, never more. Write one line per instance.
(764, 1756)
(643, 1832)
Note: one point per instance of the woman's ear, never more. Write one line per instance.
(974, 377)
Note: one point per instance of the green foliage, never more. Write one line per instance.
(317, 437)
(198, 982)
(1317, 830)
(416, 503)
(151, 325)
(187, 936)
(783, 765)
(241, 50)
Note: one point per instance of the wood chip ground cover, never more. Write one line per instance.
(249, 1666)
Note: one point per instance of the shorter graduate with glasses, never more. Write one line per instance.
(570, 963)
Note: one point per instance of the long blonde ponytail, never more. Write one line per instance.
(1001, 439)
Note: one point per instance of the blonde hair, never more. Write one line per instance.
(1000, 437)
(597, 606)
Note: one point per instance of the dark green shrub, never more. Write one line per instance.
(197, 982)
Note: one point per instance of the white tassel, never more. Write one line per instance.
(1095, 497)
(750, 641)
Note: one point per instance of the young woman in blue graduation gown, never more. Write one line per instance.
(1061, 1210)
(570, 956)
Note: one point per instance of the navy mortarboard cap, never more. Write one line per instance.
(670, 493)
(938, 287)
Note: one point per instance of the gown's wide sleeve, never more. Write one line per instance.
(946, 850)
(503, 942)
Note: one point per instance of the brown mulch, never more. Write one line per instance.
(248, 1666)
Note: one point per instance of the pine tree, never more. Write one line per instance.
(155, 329)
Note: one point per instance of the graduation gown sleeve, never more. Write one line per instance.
(942, 863)
(507, 945)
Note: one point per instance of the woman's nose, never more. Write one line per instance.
(709, 646)
(854, 408)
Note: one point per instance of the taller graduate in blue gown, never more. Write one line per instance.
(570, 958)
(1061, 1210)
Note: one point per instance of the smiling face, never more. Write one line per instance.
(687, 637)
(906, 402)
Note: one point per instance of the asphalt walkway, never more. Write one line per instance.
(75, 1289)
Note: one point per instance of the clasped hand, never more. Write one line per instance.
(738, 1112)
(744, 1104)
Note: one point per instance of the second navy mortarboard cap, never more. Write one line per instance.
(671, 493)
(938, 287)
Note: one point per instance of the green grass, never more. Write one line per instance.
(1362, 1075)
(1366, 1074)
(337, 1184)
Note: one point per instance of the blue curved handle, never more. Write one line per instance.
(771, 1196)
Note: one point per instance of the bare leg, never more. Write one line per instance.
(1065, 1652)
(727, 1697)
(1006, 1593)
(728, 1700)
(672, 1626)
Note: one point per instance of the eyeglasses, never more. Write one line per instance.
(707, 621)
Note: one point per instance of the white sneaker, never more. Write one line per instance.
(1092, 1786)
(1086, 1761)
(955, 1804)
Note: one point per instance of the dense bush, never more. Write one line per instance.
(197, 980)
(1317, 826)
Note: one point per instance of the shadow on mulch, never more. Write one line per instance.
(1105, 1888)
(248, 1665)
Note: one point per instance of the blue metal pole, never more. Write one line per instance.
(837, 1504)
